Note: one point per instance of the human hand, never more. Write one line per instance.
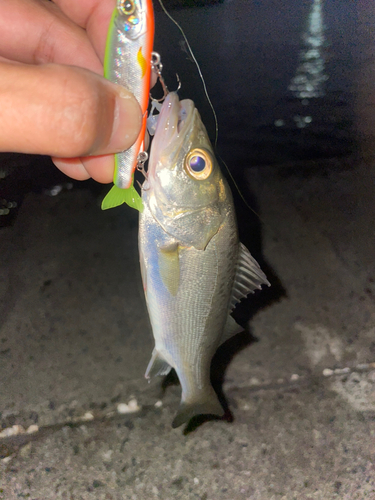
(53, 99)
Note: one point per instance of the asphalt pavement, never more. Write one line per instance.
(78, 419)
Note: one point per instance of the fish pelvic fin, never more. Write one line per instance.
(117, 196)
(188, 409)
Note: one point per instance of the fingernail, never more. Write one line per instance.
(127, 121)
(72, 167)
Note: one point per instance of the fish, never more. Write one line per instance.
(127, 62)
(194, 268)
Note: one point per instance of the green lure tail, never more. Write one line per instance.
(117, 196)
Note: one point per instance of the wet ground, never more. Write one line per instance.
(300, 385)
(79, 421)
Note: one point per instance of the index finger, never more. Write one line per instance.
(37, 32)
(93, 16)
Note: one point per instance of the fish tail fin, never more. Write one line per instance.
(208, 405)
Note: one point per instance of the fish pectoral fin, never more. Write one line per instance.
(230, 330)
(157, 366)
(188, 409)
(249, 277)
(117, 196)
(169, 267)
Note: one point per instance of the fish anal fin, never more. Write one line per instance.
(249, 277)
(169, 267)
(189, 409)
(230, 330)
(157, 366)
(117, 196)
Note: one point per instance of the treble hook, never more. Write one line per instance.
(156, 67)
(179, 83)
(156, 104)
(141, 160)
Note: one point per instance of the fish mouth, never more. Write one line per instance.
(174, 120)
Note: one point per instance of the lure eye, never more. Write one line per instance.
(198, 164)
(127, 7)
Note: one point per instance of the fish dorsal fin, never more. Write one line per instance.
(230, 330)
(157, 366)
(249, 277)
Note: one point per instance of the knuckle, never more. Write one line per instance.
(81, 117)
(44, 49)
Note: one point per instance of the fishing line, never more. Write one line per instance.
(198, 68)
(238, 189)
(211, 106)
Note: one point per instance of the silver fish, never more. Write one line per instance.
(194, 269)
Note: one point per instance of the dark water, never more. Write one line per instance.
(248, 51)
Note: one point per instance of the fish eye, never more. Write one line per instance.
(198, 164)
(127, 7)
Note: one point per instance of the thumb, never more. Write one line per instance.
(64, 111)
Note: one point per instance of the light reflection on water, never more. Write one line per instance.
(309, 80)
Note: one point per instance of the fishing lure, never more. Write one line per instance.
(127, 62)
